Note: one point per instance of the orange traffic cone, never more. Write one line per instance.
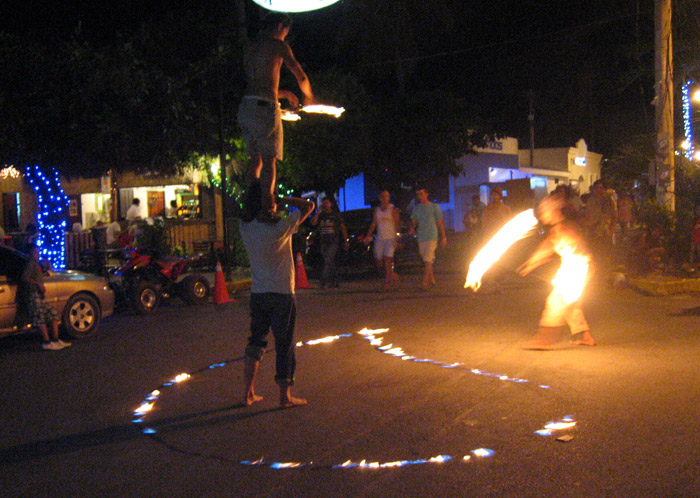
(300, 278)
(220, 290)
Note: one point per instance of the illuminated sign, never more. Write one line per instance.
(580, 161)
(294, 5)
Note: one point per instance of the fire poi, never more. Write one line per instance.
(563, 239)
(313, 109)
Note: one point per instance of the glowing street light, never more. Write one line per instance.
(294, 5)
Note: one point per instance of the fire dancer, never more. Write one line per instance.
(260, 115)
(563, 303)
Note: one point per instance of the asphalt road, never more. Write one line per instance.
(68, 426)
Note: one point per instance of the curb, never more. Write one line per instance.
(661, 287)
(238, 285)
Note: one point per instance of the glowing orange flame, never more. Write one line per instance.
(145, 407)
(557, 426)
(510, 233)
(571, 277)
(324, 109)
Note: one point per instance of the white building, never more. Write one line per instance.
(500, 164)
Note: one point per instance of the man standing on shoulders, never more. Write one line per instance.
(272, 300)
(427, 221)
(260, 115)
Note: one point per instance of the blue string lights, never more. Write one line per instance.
(688, 145)
(52, 204)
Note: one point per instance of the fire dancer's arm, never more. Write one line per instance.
(542, 255)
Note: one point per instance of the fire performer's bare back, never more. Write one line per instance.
(263, 61)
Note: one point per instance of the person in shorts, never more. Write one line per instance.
(260, 114)
(385, 219)
(427, 223)
(42, 315)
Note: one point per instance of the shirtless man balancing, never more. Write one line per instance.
(259, 114)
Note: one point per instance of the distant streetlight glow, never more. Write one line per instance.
(696, 95)
(294, 5)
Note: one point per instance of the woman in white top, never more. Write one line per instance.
(385, 219)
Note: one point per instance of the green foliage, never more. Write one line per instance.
(154, 237)
(321, 152)
(421, 135)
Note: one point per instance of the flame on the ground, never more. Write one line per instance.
(510, 233)
(571, 277)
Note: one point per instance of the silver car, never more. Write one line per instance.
(81, 300)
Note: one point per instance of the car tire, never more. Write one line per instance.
(81, 316)
(195, 289)
(145, 298)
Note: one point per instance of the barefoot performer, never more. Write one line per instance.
(564, 239)
(563, 305)
(272, 300)
(260, 114)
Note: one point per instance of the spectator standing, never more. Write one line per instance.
(134, 211)
(599, 221)
(331, 228)
(272, 300)
(41, 313)
(625, 211)
(385, 219)
(495, 215)
(426, 220)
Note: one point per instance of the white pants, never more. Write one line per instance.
(557, 312)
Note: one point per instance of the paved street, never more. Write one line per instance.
(68, 423)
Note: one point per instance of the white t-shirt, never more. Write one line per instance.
(269, 248)
(133, 212)
(112, 232)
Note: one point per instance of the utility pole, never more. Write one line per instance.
(665, 170)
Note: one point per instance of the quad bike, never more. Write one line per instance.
(144, 281)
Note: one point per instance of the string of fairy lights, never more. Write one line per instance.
(52, 204)
(376, 339)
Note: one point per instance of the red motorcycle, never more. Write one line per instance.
(144, 281)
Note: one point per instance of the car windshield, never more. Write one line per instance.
(12, 264)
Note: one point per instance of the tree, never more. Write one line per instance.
(322, 151)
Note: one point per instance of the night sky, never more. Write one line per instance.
(574, 55)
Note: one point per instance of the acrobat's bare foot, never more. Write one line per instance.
(252, 398)
(585, 339)
(291, 402)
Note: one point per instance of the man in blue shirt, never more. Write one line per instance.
(427, 222)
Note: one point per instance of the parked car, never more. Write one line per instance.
(360, 256)
(81, 300)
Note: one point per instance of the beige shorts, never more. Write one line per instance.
(261, 123)
(427, 250)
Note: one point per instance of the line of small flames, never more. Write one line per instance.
(373, 336)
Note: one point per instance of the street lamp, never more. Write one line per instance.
(294, 5)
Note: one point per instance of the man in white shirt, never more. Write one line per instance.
(134, 211)
(272, 301)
